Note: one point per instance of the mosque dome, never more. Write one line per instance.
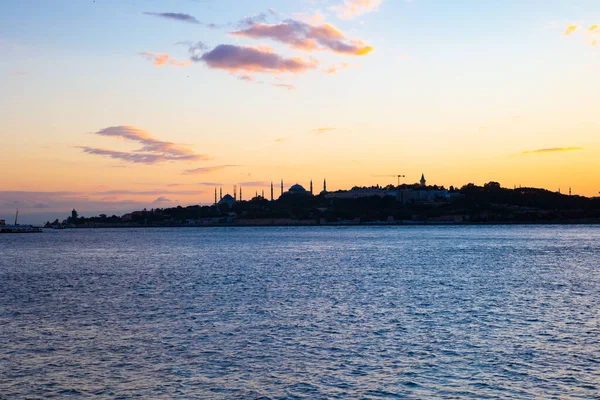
(227, 199)
(297, 189)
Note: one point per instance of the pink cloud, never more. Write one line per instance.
(153, 150)
(164, 59)
(251, 59)
(303, 36)
(353, 8)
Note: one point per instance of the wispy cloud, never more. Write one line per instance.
(284, 86)
(210, 183)
(335, 68)
(207, 170)
(194, 48)
(153, 150)
(303, 36)
(593, 28)
(258, 18)
(234, 58)
(255, 184)
(571, 29)
(552, 150)
(279, 140)
(153, 192)
(180, 17)
(164, 59)
(353, 8)
(321, 131)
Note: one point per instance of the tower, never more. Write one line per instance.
(271, 190)
(282, 187)
(220, 193)
(235, 192)
(423, 181)
(263, 193)
(569, 190)
(325, 185)
(240, 192)
(215, 195)
(311, 187)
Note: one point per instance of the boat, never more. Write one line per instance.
(18, 228)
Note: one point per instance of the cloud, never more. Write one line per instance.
(207, 170)
(153, 150)
(593, 28)
(303, 36)
(210, 183)
(255, 184)
(594, 43)
(175, 17)
(258, 18)
(164, 59)
(162, 199)
(335, 68)
(353, 8)
(154, 192)
(314, 19)
(247, 78)
(552, 150)
(280, 140)
(321, 131)
(284, 86)
(252, 59)
(194, 48)
(571, 29)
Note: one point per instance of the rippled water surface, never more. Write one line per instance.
(353, 312)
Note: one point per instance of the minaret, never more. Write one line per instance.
(220, 193)
(263, 193)
(325, 185)
(282, 187)
(311, 187)
(569, 190)
(423, 181)
(240, 192)
(271, 190)
(215, 195)
(235, 192)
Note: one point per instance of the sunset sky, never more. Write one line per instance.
(109, 106)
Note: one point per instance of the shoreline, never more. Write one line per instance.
(399, 224)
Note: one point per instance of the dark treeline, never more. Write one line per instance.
(470, 204)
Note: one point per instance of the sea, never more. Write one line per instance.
(388, 312)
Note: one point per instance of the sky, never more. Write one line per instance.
(110, 106)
